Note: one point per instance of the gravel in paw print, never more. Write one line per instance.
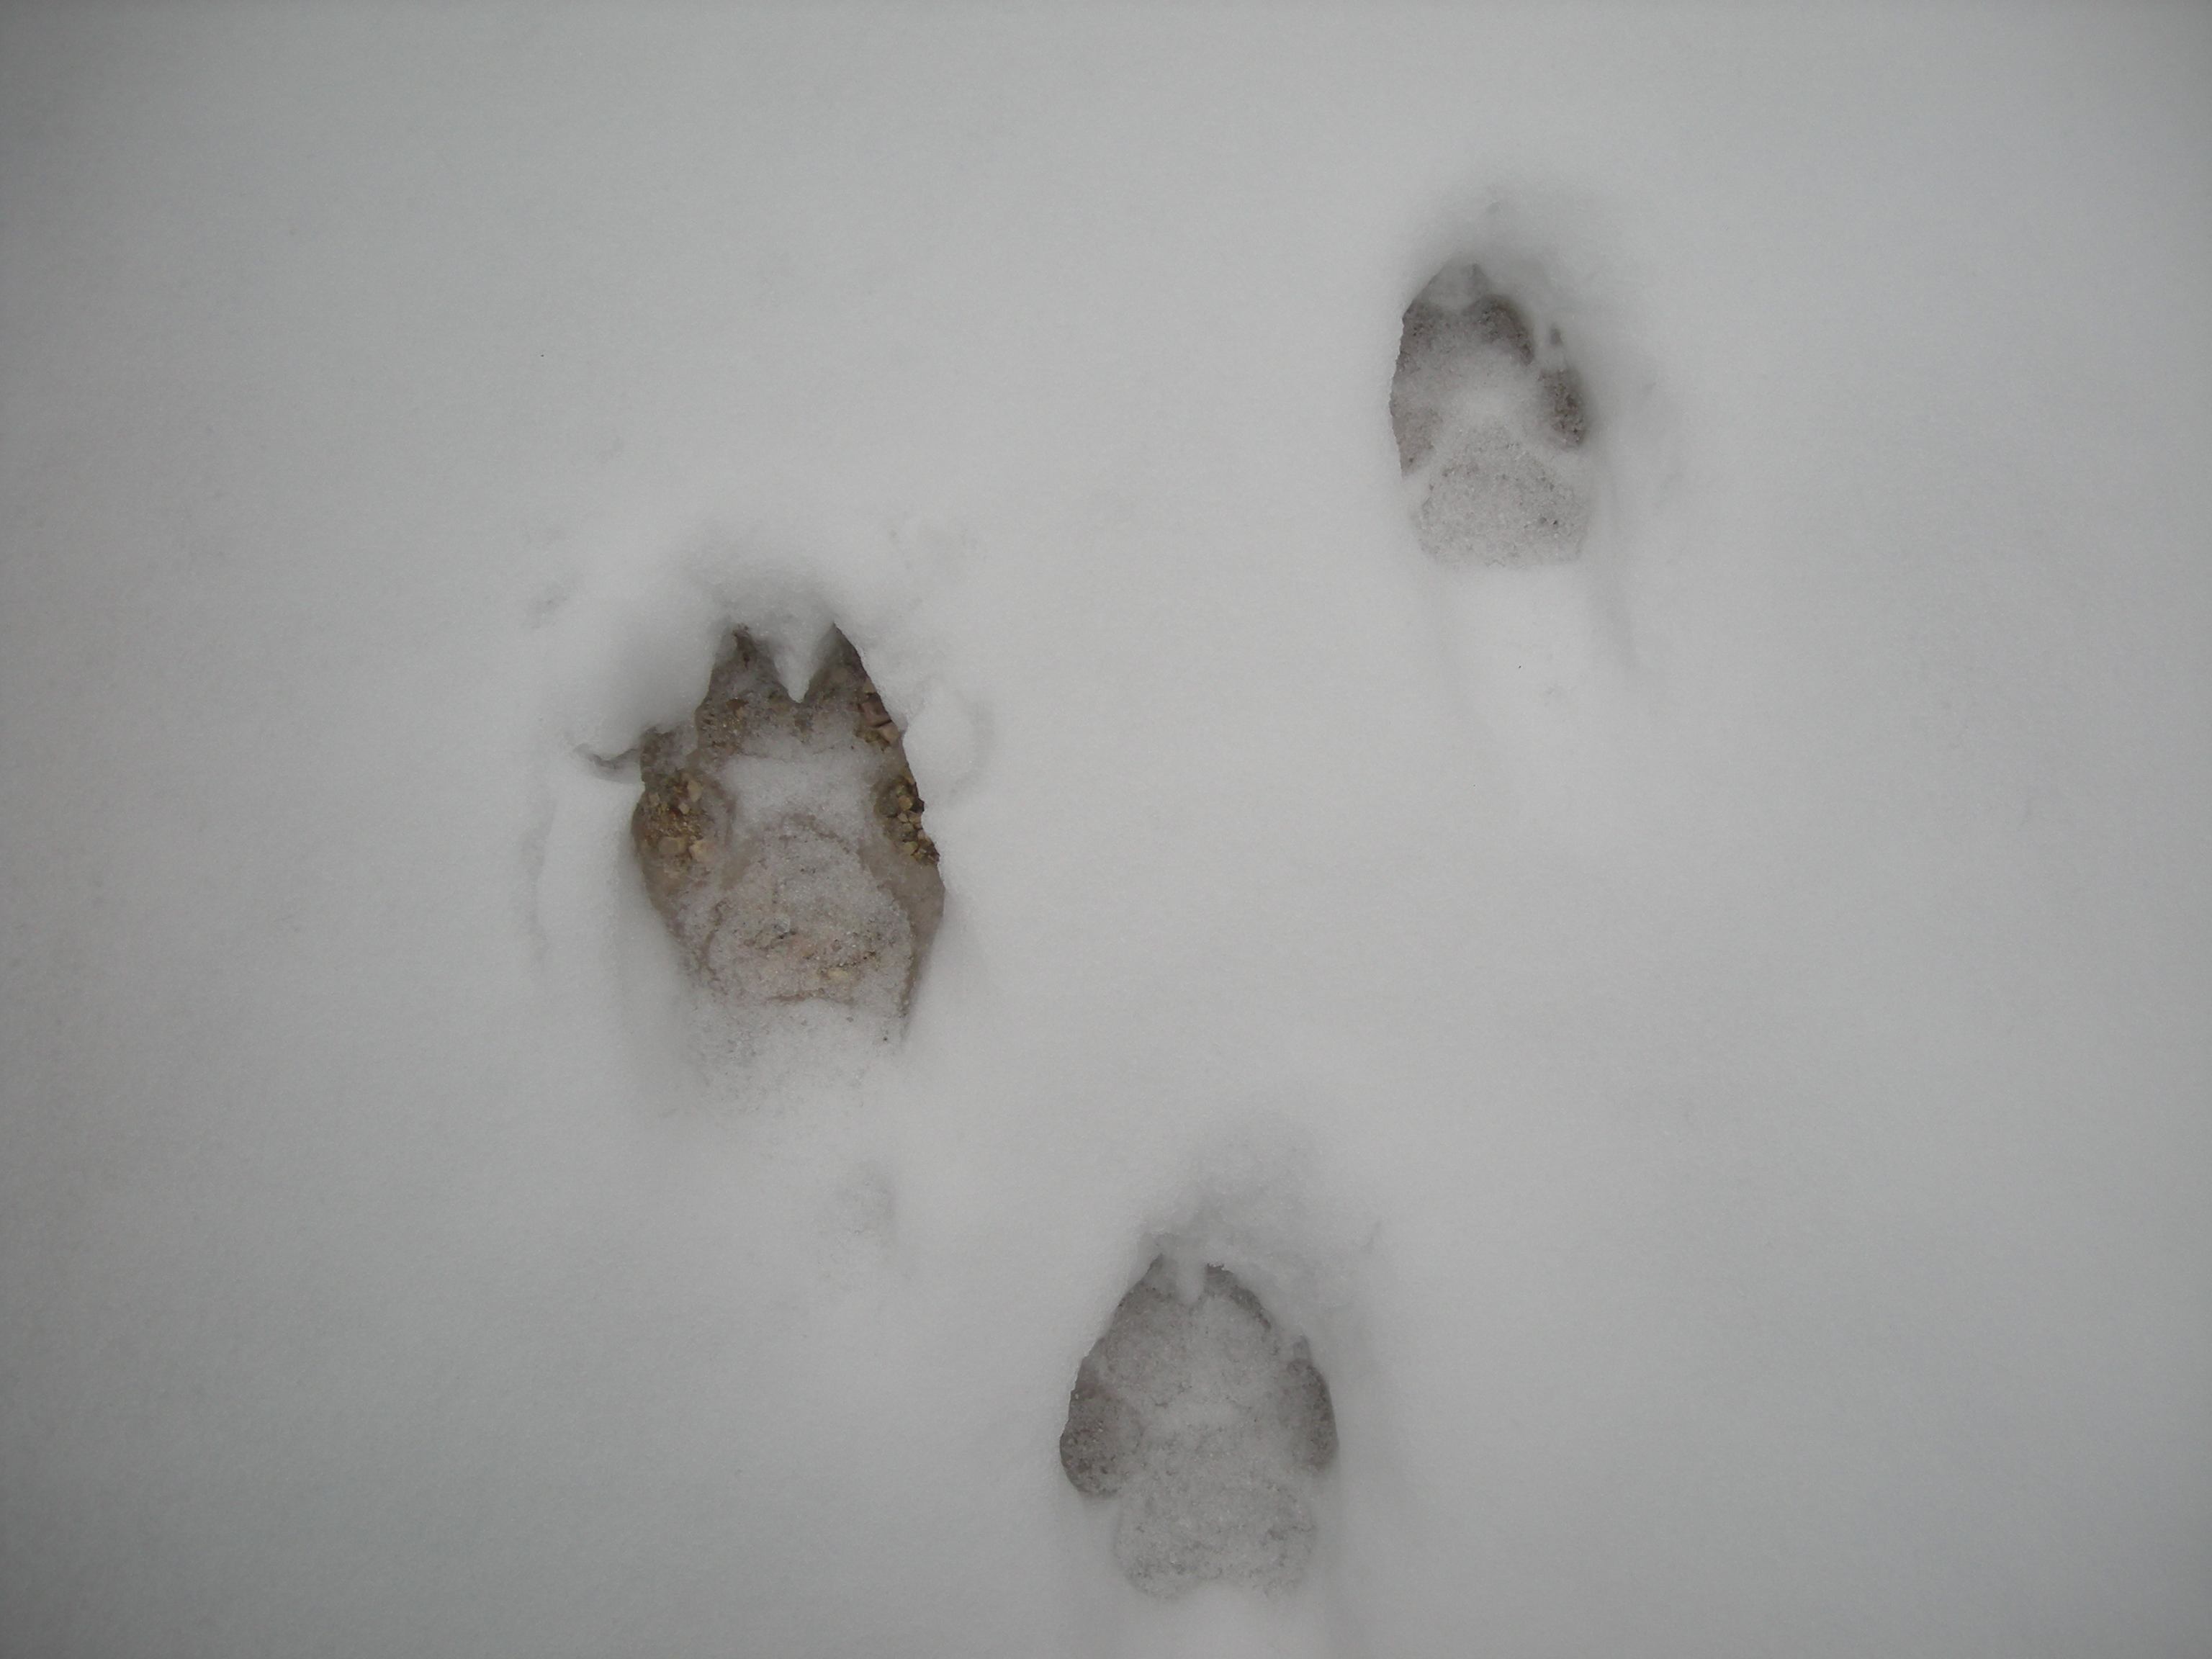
(1492, 423)
(1208, 1426)
(782, 839)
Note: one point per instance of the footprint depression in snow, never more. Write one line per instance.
(1209, 1426)
(1492, 425)
(781, 840)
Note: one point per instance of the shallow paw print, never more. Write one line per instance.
(782, 839)
(1208, 1426)
(1492, 422)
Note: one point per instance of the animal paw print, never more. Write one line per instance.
(1492, 425)
(1209, 1427)
(781, 840)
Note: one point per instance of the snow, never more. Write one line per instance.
(1704, 1040)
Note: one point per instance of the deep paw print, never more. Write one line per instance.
(1209, 1426)
(1492, 423)
(782, 841)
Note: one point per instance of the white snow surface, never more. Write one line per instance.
(1708, 1043)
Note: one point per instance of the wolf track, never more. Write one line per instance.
(1209, 1426)
(1492, 426)
(781, 840)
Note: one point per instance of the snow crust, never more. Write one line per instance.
(1704, 1040)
